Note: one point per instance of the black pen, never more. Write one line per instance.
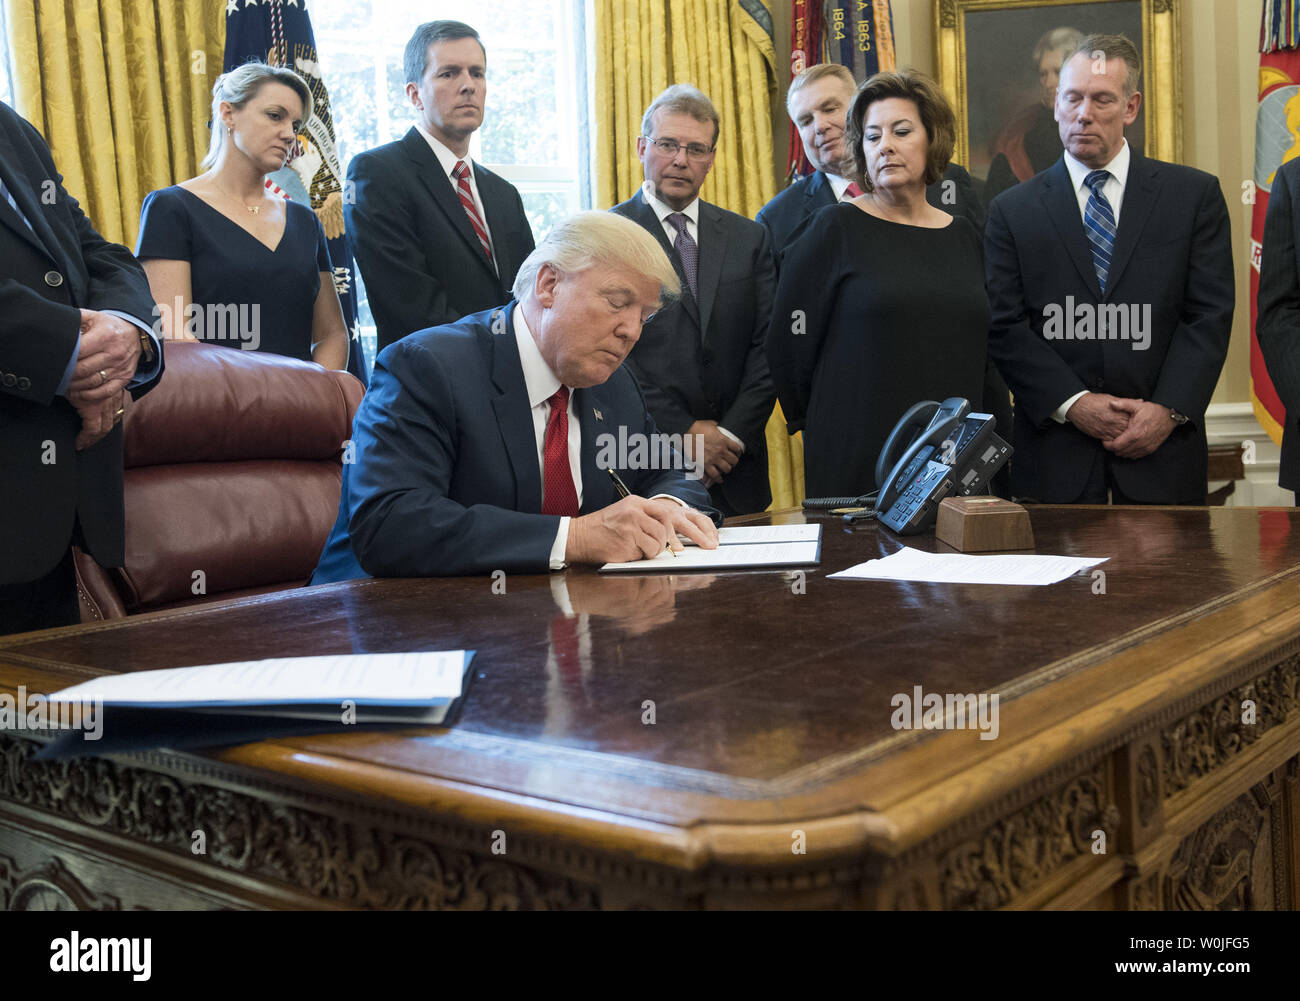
(619, 485)
(623, 491)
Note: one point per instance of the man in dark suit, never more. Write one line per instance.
(817, 102)
(437, 235)
(702, 362)
(1111, 287)
(1278, 322)
(488, 444)
(74, 340)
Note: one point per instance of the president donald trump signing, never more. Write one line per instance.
(477, 445)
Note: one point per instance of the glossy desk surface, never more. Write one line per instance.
(771, 693)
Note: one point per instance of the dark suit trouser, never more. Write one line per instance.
(44, 603)
(1101, 481)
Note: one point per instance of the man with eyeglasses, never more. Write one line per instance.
(701, 362)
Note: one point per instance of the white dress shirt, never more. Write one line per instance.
(448, 160)
(542, 384)
(692, 213)
(838, 184)
(1113, 191)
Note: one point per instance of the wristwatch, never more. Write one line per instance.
(146, 348)
(1177, 417)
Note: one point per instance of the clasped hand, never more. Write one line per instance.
(720, 453)
(636, 528)
(106, 363)
(1129, 428)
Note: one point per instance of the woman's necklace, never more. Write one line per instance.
(253, 209)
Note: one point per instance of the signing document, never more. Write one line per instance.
(957, 568)
(739, 548)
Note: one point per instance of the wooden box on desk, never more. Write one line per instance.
(982, 524)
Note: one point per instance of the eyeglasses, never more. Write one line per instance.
(669, 147)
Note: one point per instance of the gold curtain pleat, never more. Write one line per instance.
(121, 90)
(643, 46)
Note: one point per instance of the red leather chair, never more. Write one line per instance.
(233, 467)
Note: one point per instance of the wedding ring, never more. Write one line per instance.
(118, 416)
(103, 377)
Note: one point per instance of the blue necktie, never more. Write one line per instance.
(1099, 222)
(4, 193)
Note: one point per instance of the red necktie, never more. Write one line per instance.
(852, 191)
(559, 496)
(461, 173)
(564, 641)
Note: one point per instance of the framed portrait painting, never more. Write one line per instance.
(998, 62)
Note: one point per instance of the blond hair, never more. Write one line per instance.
(599, 239)
(240, 86)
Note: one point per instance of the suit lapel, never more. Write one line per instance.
(819, 192)
(43, 238)
(594, 419)
(1062, 207)
(1139, 199)
(514, 420)
(712, 250)
(645, 216)
(495, 203)
(444, 195)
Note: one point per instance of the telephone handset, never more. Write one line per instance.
(905, 451)
(936, 450)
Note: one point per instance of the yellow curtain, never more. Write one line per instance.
(725, 48)
(121, 90)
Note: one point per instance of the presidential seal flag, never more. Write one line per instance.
(278, 32)
(1277, 140)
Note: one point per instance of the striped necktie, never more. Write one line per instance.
(461, 173)
(7, 196)
(1099, 222)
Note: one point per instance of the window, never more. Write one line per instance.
(534, 128)
(6, 86)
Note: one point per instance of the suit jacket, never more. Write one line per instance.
(421, 262)
(703, 359)
(47, 275)
(1278, 323)
(1173, 254)
(446, 478)
(787, 213)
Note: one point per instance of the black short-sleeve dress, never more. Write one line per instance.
(245, 294)
(870, 317)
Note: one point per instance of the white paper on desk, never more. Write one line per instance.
(778, 554)
(739, 535)
(391, 679)
(910, 564)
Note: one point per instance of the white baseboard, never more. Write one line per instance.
(1234, 424)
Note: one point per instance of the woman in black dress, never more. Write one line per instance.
(881, 302)
(231, 263)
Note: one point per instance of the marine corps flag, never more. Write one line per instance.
(1277, 140)
(858, 34)
(279, 33)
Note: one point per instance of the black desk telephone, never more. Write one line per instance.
(936, 450)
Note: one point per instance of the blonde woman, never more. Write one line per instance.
(229, 261)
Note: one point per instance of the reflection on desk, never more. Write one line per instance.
(771, 697)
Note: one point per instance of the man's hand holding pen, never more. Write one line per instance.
(636, 528)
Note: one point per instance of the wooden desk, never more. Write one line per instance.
(1120, 715)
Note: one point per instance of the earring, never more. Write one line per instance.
(230, 130)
